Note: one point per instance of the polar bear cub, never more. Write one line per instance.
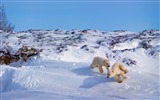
(118, 71)
(99, 62)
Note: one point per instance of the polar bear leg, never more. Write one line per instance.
(123, 75)
(94, 65)
(100, 69)
(118, 79)
(123, 68)
(125, 71)
(107, 68)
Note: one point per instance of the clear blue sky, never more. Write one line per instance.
(106, 16)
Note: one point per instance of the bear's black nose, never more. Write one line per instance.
(107, 76)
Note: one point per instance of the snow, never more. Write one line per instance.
(63, 69)
(127, 45)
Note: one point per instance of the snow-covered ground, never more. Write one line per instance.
(63, 69)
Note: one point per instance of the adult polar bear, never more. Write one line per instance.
(118, 71)
(99, 62)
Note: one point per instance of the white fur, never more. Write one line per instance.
(99, 62)
(118, 71)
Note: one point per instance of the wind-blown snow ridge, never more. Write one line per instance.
(63, 72)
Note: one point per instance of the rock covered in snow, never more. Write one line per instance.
(93, 42)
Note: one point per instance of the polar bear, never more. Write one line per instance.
(99, 62)
(118, 71)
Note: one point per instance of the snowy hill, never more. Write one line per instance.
(63, 69)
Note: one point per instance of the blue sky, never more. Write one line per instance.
(93, 14)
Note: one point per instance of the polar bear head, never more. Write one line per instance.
(106, 63)
(111, 74)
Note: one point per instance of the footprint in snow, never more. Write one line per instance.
(127, 86)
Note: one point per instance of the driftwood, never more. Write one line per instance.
(23, 54)
(7, 59)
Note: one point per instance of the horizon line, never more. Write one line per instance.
(88, 29)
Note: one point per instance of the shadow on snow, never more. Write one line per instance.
(94, 78)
